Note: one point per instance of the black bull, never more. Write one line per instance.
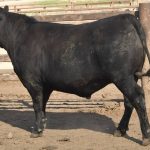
(78, 59)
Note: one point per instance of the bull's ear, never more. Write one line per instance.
(6, 8)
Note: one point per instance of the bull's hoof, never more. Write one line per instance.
(44, 121)
(36, 134)
(118, 133)
(44, 125)
(145, 142)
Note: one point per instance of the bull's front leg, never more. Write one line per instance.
(38, 128)
(36, 92)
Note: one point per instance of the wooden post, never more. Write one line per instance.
(144, 14)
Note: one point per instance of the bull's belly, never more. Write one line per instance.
(80, 88)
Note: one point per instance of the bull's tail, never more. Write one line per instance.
(142, 37)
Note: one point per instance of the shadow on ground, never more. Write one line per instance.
(60, 120)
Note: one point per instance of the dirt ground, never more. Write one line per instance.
(74, 123)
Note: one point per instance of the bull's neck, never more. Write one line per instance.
(14, 32)
(9, 45)
(11, 39)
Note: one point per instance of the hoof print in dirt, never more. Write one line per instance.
(49, 148)
(64, 139)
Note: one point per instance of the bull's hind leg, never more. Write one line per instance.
(135, 95)
(123, 125)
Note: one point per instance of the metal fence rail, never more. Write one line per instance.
(33, 8)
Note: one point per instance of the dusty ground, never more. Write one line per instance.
(73, 123)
